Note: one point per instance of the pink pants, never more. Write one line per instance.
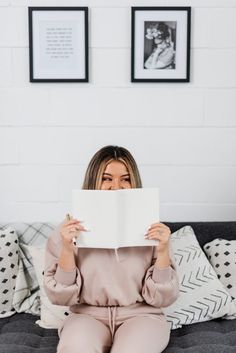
(86, 333)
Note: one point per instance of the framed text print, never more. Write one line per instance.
(160, 44)
(58, 44)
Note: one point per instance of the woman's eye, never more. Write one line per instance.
(109, 179)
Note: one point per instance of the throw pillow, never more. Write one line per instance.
(27, 295)
(202, 296)
(51, 315)
(9, 253)
(222, 255)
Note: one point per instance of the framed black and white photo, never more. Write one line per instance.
(58, 44)
(160, 44)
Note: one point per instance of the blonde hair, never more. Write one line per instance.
(98, 163)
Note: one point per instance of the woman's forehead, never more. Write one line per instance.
(116, 166)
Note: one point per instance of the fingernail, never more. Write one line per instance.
(85, 230)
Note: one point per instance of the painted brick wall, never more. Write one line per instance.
(183, 136)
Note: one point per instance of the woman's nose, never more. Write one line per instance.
(116, 184)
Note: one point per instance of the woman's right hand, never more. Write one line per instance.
(70, 229)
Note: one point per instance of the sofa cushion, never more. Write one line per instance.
(202, 296)
(9, 254)
(216, 336)
(19, 333)
(27, 297)
(222, 255)
(35, 233)
(51, 315)
(207, 231)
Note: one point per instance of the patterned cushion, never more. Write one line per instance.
(31, 233)
(222, 255)
(27, 296)
(202, 296)
(9, 254)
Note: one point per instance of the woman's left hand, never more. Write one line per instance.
(161, 232)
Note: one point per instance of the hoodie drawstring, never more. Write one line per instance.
(112, 319)
(117, 255)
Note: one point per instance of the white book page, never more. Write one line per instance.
(115, 218)
(140, 210)
(98, 211)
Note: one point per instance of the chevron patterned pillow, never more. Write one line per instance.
(221, 254)
(202, 296)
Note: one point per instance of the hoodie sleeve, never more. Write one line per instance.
(161, 286)
(62, 287)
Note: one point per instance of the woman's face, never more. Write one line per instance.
(115, 176)
(158, 37)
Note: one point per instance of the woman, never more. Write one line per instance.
(115, 301)
(163, 55)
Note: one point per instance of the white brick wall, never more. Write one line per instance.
(183, 136)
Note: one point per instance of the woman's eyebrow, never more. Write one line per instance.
(111, 174)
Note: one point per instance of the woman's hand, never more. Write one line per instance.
(161, 232)
(69, 230)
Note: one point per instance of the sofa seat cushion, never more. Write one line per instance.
(19, 333)
(216, 336)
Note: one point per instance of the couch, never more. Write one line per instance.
(19, 332)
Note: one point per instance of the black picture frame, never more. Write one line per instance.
(58, 44)
(160, 44)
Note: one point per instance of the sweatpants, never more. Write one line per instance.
(113, 332)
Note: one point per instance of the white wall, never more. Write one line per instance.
(183, 136)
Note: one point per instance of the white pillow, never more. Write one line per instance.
(202, 296)
(26, 296)
(9, 254)
(51, 315)
(221, 254)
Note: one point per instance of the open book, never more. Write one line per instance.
(115, 218)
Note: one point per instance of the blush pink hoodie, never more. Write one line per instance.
(126, 277)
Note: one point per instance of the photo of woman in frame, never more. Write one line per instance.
(159, 44)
